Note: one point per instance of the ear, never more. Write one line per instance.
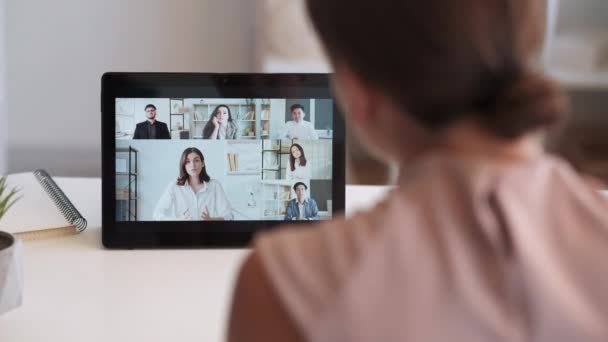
(356, 98)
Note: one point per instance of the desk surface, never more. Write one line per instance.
(75, 290)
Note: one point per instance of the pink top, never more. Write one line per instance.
(462, 251)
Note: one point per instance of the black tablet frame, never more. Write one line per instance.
(205, 234)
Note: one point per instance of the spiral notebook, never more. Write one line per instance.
(42, 209)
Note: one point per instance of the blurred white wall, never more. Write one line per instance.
(58, 50)
(285, 38)
(588, 13)
(3, 118)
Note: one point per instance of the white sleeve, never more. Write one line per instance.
(300, 173)
(288, 172)
(306, 171)
(165, 208)
(312, 132)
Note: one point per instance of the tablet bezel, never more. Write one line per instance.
(176, 234)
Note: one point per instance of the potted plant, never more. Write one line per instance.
(11, 274)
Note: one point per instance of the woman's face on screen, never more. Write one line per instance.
(222, 114)
(295, 152)
(194, 164)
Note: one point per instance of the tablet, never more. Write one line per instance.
(207, 160)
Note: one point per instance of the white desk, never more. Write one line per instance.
(75, 290)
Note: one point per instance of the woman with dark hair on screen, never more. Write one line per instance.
(220, 124)
(487, 237)
(194, 195)
(298, 168)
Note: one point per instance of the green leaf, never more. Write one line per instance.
(2, 185)
(6, 202)
(9, 205)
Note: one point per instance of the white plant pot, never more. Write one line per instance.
(11, 273)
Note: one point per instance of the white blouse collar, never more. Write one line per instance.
(203, 189)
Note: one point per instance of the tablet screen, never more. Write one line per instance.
(239, 159)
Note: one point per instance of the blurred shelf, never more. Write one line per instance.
(243, 173)
(580, 80)
(126, 173)
(576, 43)
(126, 149)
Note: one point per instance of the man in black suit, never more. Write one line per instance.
(151, 129)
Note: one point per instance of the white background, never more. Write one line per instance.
(58, 50)
(3, 116)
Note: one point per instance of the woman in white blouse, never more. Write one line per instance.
(298, 168)
(194, 196)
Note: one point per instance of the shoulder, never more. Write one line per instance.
(161, 123)
(140, 124)
(214, 184)
(232, 128)
(310, 266)
(257, 313)
(320, 256)
(173, 187)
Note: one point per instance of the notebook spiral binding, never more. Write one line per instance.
(66, 207)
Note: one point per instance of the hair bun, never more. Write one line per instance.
(530, 102)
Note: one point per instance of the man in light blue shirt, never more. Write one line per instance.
(301, 207)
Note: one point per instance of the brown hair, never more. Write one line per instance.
(296, 106)
(292, 160)
(442, 61)
(183, 175)
(295, 186)
(209, 127)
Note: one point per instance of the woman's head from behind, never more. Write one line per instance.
(296, 152)
(443, 62)
(192, 164)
